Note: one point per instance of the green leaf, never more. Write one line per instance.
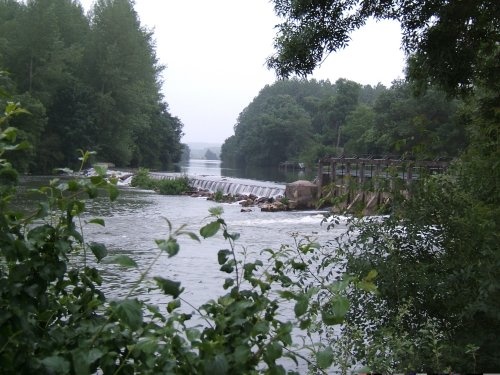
(216, 211)
(73, 185)
(121, 260)
(56, 364)
(233, 236)
(172, 305)
(82, 358)
(172, 288)
(371, 276)
(218, 365)
(223, 256)
(96, 180)
(286, 294)
(129, 312)
(191, 235)
(228, 268)
(192, 334)
(228, 283)
(241, 354)
(301, 305)
(97, 221)
(273, 351)
(324, 358)
(337, 311)
(92, 192)
(210, 229)
(99, 250)
(170, 246)
(148, 345)
(113, 192)
(101, 171)
(341, 306)
(24, 145)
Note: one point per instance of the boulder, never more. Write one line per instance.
(302, 194)
(273, 207)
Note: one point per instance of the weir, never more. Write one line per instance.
(228, 185)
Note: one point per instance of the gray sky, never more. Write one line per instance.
(215, 53)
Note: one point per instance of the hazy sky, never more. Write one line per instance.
(215, 53)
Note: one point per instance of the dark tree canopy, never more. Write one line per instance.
(91, 83)
(306, 120)
(449, 43)
(446, 279)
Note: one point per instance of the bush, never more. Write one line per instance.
(174, 186)
(142, 179)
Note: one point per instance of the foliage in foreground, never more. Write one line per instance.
(417, 296)
(90, 81)
(56, 319)
(175, 186)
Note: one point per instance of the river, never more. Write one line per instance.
(137, 218)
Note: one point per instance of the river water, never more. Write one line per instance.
(138, 217)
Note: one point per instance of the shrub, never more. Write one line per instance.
(142, 179)
(174, 186)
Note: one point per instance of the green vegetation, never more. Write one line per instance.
(210, 155)
(55, 319)
(89, 82)
(306, 120)
(416, 291)
(437, 256)
(165, 186)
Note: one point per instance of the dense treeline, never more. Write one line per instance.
(437, 257)
(416, 291)
(307, 119)
(90, 82)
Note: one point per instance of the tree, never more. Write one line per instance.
(270, 130)
(266, 128)
(210, 155)
(123, 70)
(437, 256)
(449, 43)
(343, 103)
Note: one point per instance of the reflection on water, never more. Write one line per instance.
(199, 167)
(268, 174)
(196, 167)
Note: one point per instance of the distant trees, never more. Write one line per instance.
(301, 119)
(90, 82)
(210, 155)
(436, 258)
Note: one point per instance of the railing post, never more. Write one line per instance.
(409, 175)
(320, 178)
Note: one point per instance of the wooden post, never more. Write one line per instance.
(320, 178)
(409, 176)
(333, 171)
(362, 173)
